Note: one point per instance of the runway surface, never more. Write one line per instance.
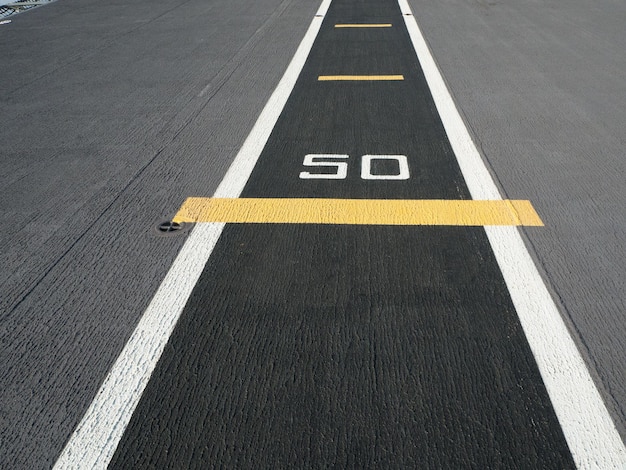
(306, 344)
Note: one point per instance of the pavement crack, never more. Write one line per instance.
(235, 62)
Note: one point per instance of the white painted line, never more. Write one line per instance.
(241, 168)
(476, 175)
(95, 439)
(590, 433)
(323, 9)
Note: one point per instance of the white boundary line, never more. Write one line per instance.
(95, 439)
(590, 433)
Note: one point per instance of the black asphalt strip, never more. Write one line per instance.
(350, 346)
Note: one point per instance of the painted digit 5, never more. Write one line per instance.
(322, 160)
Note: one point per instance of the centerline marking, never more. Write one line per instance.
(364, 25)
(358, 211)
(353, 78)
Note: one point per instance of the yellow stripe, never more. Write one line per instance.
(326, 78)
(363, 25)
(358, 212)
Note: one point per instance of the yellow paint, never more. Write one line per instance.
(377, 25)
(327, 78)
(358, 211)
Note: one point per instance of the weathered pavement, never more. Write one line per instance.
(110, 120)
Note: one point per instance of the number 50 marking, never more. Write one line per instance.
(339, 168)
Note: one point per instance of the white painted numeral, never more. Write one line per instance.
(341, 168)
(321, 160)
(366, 167)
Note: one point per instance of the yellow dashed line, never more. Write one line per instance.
(359, 211)
(363, 25)
(326, 78)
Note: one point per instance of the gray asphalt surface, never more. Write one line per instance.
(110, 115)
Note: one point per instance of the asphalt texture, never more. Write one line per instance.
(111, 116)
(541, 87)
(350, 346)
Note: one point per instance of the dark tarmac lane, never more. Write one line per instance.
(110, 116)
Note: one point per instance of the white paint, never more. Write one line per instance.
(323, 9)
(476, 175)
(95, 439)
(318, 160)
(242, 166)
(366, 167)
(590, 433)
(5, 21)
(321, 160)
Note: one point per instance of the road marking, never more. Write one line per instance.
(96, 437)
(364, 25)
(401, 160)
(352, 78)
(338, 163)
(358, 211)
(588, 428)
